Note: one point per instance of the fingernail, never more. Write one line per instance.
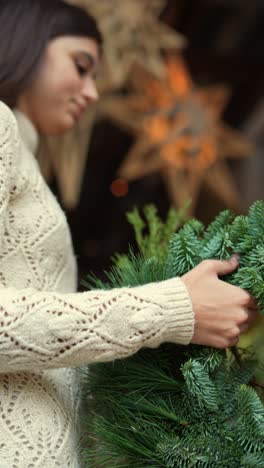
(235, 257)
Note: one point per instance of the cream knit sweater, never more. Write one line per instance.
(47, 328)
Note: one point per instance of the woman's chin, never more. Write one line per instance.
(63, 126)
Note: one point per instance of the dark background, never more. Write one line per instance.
(225, 45)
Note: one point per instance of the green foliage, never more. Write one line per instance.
(184, 250)
(178, 406)
(154, 243)
(131, 270)
(199, 385)
(148, 264)
(250, 421)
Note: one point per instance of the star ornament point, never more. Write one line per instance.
(132, 34)
(181, 135)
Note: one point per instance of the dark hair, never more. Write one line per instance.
(26, 27)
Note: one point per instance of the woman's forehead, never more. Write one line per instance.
(84, 45)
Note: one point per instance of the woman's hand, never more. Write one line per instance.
(222, 311)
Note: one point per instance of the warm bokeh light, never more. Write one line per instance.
(119, 188)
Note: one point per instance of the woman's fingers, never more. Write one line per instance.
(252, 304)
(222, 311)
(244, 328)
(222, 267)
(253, 314)
(248, 315)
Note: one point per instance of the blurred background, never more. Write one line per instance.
(181, 117)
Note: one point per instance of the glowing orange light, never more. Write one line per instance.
(157, 93)
(178, 77)
(180, 123)
(157, 128)
(119, 188)
(180, 134)
(190, 154)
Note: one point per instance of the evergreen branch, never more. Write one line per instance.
(180, 406)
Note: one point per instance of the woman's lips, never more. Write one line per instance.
(77, 110)
(81, 108)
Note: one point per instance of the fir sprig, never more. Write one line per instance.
(176, 406)
(153, 235)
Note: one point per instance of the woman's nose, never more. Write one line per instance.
(90, 90)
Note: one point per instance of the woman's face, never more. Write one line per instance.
(63, 86)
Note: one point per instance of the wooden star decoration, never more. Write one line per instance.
(132, 34)
(179, 133)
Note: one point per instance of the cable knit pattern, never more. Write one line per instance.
(47, 328)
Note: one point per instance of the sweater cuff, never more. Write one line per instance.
(176, 315)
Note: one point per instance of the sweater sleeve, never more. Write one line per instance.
(41, 330)
(8, 148)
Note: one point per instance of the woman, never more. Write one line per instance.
(49, 53)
